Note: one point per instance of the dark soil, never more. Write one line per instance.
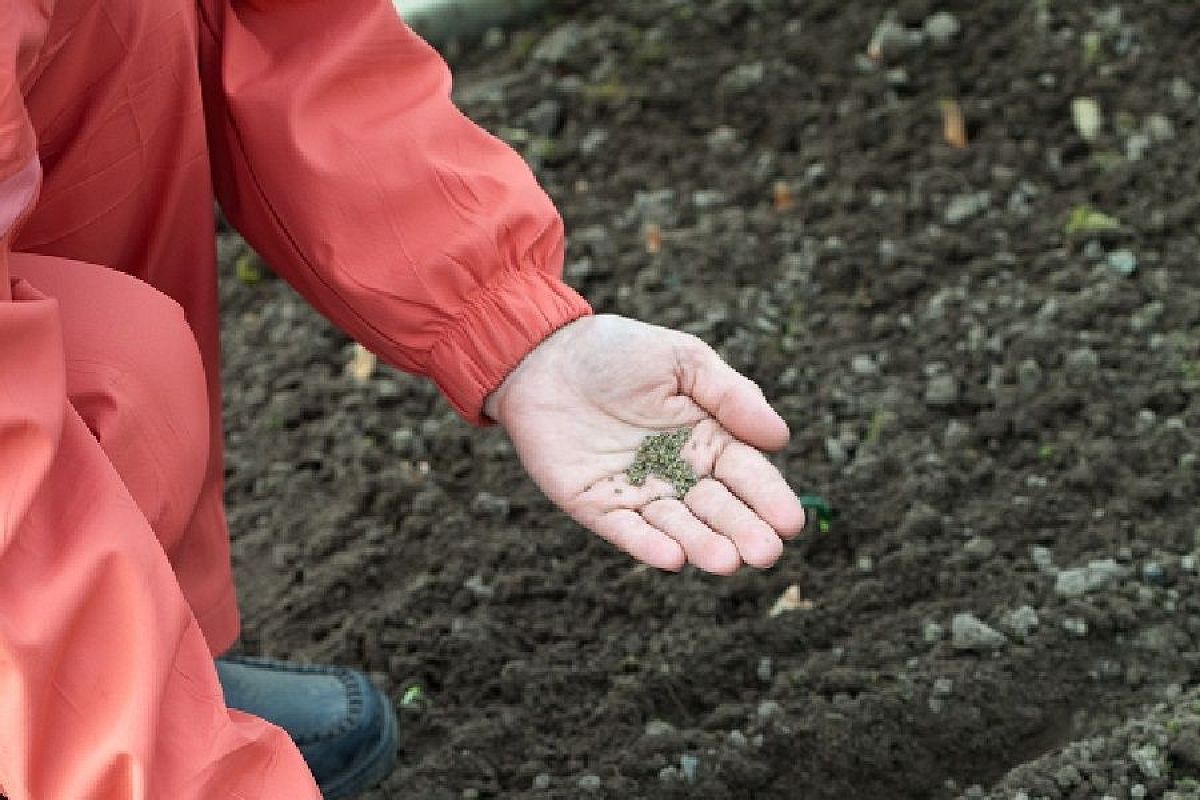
(964, 379)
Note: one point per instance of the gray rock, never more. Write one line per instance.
(889, 41)
(968, 632)
(744, 76)
(1160, 128)
(659, 727)
(941, 28)
(863, 364)
(590, 783)
(546, 118)
(1078, 581)
(1029, 375)
(1082, 362)
(669, 773)
(768, 709)
(941, 391)
(592, 141)
(1136, 146)
(1075, 626)
(932, 632)
(558, 45)
(1043, 559)
(1021, 621)
(979, 548)
(489, 505)
(1123, 262)
(943, 686)
(1181, 90)
(688, 764)
(835, 451)
(964, 206)
(1154, 573)
(541, 782)
(956, 435)
(1149, 760)
(709, 198)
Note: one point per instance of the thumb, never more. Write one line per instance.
(734, 400)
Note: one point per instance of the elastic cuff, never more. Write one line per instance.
(499, 329)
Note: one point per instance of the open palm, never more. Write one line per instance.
(578, 407)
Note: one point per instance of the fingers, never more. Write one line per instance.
(733, 399)
(704, 547)
(750, 476)
(757, 543)
(627, 530)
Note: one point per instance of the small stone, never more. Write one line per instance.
(541, 781)
(1085, 112)
(1068, 776)
(764, 669)
(865, 564)
(968, 632)
(932, 632)
(1082, 362)
(1123, 262)
(943, 686)
(1043, 559)
(709, 198)
(1093, 250)
(1138, 792)
(1075, 626)
(1188, 564)
(863, 364)
(744, 76)
(956, 435)
(688, 764)
(1154, 574)
(738, 739)
(835, 451)
(1160, 128)
(470, 793)
(669, 773)
(546, 118)
(768, 709)
(491, 506)
(1146, 317)
(1078, 581)
(1022, 621)
(888, 42)
(590, 783)
(941, 391)
(659, 727)
(1181, 90)
(979, 548)
(1029, 376)
(941, 28)
(1136, 146)
(592, 141)
(558, 45)
(964, 206)
(1149, 760)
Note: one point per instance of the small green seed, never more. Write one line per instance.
(659, 455)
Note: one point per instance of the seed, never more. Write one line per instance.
(659, 455)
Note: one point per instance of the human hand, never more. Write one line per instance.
(580, 405)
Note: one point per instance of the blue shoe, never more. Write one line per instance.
(344, 726)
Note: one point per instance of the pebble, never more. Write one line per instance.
(768, 709)
(659, 727)
(590, 783)
(964, 206)
(668, 773)
(764, 669)
(968, 632)
(943, 686)
(1188, 564)
(1078, 581)
(1043, 559)
(932, 632)
(957, 434)
(688, 764)
(709, 198)
(1148, 759)
(889, 41)
(1136, 146)
(1029, 375)
(1075, 626)
(1160, 128)
(865, 564)
(1181, 90)
(979, 548)
(941, 28)
(558, 45)
(1154, 574)
(738, 739)
(835, 451)
(863, 364)
(1123, 262)
(1022, 621)
(489, 505)
(592, 141)
(744, 76)
(941, 391)
(541, 781)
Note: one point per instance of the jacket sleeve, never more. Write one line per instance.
(339, 155)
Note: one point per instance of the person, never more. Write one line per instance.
(327, 134)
